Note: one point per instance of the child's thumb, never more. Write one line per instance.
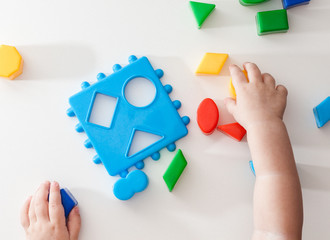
(230, 105)
(74, 223)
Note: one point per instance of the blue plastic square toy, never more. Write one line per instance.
(293, 3)
(68, 201)
(112, 140)
(322, 112)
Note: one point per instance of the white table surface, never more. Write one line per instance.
(66, 42)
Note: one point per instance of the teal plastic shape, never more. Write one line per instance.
(201, 11)
(251, 2)
(112, 141)
(252, 167)
(322, 112)
(275, 21)
(174, 171)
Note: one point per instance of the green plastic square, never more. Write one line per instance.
(275, 21)
(175, 170)
(251, 2)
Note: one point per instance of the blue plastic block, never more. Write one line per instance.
(68, 201)
(112, 141)
(293, 3)
(322, 112)
(252, 168)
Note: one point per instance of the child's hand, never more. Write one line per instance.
(257, 101)
(43, 220)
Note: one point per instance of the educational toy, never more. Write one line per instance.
(112, 139)
(251, 2)
(175, 170)
(234, 130)
(232, 91)
(322, 112)
(212, 63)
(252, 168)
(207, 116)
(68, 201)
(294, 3)
(201, 11)
(11, 62)
(275, 21)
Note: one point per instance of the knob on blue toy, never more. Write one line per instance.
(125, 188)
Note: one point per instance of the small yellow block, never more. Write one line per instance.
(212, 63)
(11, 62)
(232, 91)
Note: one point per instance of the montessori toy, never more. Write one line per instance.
(174, 171)
(232, 91)
(252, 168)
(322, 112)
(251, 2)
(275, 21)
(294, 3)
(11, 62)
(212, 63)
(68, 201)
(234, 130)
(207, 116)
(201, 11)
(112, 139)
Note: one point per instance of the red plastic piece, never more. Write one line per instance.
(234, 130)
(207, 116)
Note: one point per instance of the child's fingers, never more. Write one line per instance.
(282, 90)
(253, 72)
(74, 223)
(32, 213)
(41, 202)
(237, 75)
(56, 210)
(230, 105)
(25, 221)
(269, 80)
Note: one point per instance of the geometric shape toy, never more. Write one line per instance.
(175, 170)
(112, 142)
(232, 91)
(212, 63)
(207, 116)
(68, 201)
(234, 130)
(11, 62)
(201, 11)
(252, 168)
(322, 112)
(294, 3)
(275, 21)
(251, 2)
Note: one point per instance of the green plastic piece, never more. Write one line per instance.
(201, 11)
(275, 21)
(175, 170)
(251, 2)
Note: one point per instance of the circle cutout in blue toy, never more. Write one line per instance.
(140, 92)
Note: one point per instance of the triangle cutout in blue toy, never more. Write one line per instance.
(142, 140)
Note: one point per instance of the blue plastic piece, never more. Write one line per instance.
(112, 143)
(68, 201)
(322, 112)
(125, 188)
(294, 3)
(252, 168)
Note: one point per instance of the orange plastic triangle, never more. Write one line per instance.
(234, 130)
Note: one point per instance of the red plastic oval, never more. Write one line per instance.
(207, 116)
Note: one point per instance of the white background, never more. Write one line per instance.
(65, 42)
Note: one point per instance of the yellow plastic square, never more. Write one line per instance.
(11, 62)
(212, 63)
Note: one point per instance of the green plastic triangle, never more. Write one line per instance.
(201, 11)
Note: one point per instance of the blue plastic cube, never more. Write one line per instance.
(293, 3)
(322, 112)
(68, 201)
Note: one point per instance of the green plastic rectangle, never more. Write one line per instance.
(275, 21)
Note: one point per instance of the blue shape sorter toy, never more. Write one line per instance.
(112, 141)
(322, 112)
(293, 3)
(68, 201)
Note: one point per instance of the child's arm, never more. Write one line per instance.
(259, 108)
(43, 219)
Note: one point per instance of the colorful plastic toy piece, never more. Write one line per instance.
(175, 170)
(232, 91)
(11, 62)
(113, 140)
(207, 116)
(201, 11)
(251, 2)
(275, 21)
(294, 3)
(252, 168)
(212, 63)
(234, 130)
(322, 112)
(68, 201)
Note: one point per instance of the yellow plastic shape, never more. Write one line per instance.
(212, 63)
(11, 62)
(232, 91)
